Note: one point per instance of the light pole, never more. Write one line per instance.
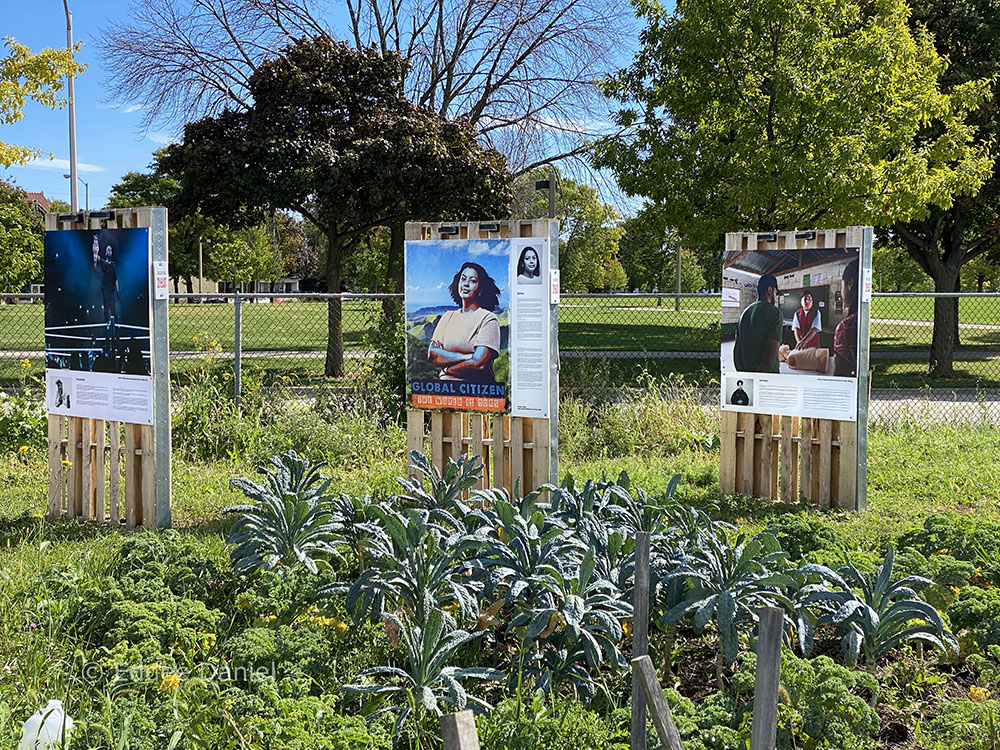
(86, 191)
(74, 193)
(201, 272)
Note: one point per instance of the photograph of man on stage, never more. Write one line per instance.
(97, 303)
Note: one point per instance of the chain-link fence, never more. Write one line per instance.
(607, 342)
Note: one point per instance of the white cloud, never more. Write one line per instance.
(58, 165)
(164, 139)
(130, 108)
(487, 247)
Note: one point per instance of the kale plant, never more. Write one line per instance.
(290, 522)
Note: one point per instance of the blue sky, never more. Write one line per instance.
(431, 266)
(110, 141)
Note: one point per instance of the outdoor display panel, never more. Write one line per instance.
(477, 325)
(97, 324)
(790, 332)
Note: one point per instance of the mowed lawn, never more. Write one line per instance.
(589, 327)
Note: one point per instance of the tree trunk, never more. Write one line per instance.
(334, 366)
(944, 339)
(392, 307)
(189, 283)
(958, 288)
(980, 280)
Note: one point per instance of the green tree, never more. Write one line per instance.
(187, 227)
(589, 229)
(331, 136)
(951, 233)
(26, 76)
(789, 114)
(244, 256)
(893, 270)
(20, 239)
(648, 252)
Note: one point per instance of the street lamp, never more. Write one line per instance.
(550, 185)
(74, 194)
(86, 191)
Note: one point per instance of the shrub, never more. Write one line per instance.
(825, 708)
(801, 533)
(152, 565)
(975, 616)
(658, 416)
(964, 537)
(158, 627)
(566, 724)
(964, 724)
(22, 419)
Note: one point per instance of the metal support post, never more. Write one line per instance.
(237, 346)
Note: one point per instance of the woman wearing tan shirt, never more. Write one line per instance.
(467, 340)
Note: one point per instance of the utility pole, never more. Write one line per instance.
(74, 191)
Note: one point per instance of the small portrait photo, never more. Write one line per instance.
(738, 391)
(529, 266)
(60, 391)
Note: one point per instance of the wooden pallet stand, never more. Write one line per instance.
(798, 459)
(108, 471)
(514, 450)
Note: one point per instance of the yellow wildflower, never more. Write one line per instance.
(25, 364)
(978, 694)
(453, 607)
(37, 515)
(169, 683)
(67, 463)
(23, 449)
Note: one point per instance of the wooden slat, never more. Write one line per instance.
(437, 440)
(131, 485)
(517, 452)
(767, 432)
(540, 452)
(56, 473)
(86, 469)
(476, 446)
(99, 468)
(805, 454)
(73, 469)
(508, 460)
(727, 453)
(794, 494)
(788, 467)
(497, 453)
(749, 468)
(458, 428)
(825, 440)
(775, 454)
(414, 431)
(848, 465)
(114, 472)
(148, 476)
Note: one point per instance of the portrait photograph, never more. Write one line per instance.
(97, 305)
(457, 324)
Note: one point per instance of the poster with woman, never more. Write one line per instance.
(790, 318)
(98, 360)
(457, 324)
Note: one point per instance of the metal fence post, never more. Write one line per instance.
(237, 347)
